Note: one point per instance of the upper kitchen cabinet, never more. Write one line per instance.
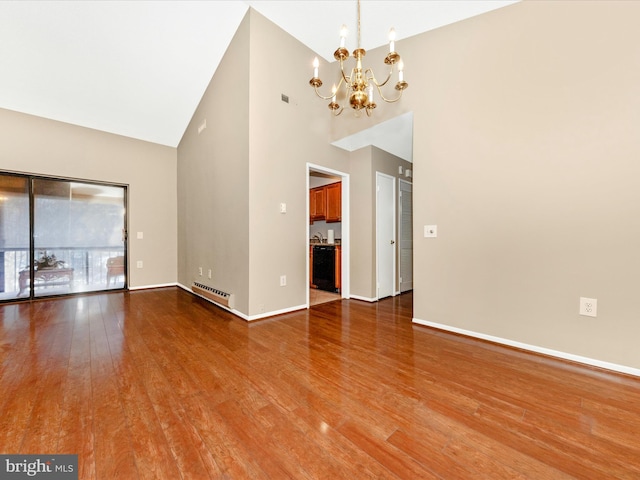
(334, 202)
(325, 203)
(317, 204)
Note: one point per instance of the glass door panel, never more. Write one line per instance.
(78, 237)
(14, 236)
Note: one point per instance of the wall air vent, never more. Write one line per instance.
(216, 296)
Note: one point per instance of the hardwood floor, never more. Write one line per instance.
(161, 384)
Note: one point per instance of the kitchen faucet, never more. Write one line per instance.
(319, 237)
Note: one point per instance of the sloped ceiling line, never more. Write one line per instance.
(139, 69)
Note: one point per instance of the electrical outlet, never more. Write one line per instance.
(200, 271)
(209, 274)
(283, 280)
(589, 307)
(139, 264)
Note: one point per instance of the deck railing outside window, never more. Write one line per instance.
(89, 266)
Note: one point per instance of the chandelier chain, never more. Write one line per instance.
(358, 23)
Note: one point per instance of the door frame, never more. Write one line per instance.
(345, 240)
(402, 182)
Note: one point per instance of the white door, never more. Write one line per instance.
(385, 235)
(405, 234)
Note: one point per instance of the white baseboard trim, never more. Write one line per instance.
(364, 299)
(160, 285)
(251, 318)
(533, 348)
(248, 318)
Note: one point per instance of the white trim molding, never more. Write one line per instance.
(237, 313)
(364, 299)
(161, 285)
(533, 348)
(250, 318)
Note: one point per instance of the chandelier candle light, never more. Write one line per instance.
(359, 84)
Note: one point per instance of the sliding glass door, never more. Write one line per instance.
(14, 235)
(67, 237)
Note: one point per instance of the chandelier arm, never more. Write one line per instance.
(322, 96)
(344, 78)
(329, 97)
(392, 100)
(373, 77)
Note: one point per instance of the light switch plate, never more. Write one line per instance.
(139, 235)
(430, 231)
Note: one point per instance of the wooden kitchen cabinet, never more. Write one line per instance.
(325, 203)
(317, 203)
(334, 202)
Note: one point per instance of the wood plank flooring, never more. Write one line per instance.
(160, 384)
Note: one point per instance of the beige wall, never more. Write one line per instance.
(362, 228)
(213, 188)
(526, 157)
(255, 159)
(283, 137)
(36, 145)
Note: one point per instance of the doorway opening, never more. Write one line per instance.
(327, 235)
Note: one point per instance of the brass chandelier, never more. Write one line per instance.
(359, 84)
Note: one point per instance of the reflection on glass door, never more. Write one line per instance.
(78, 237)
(59, 237)
(14, 234)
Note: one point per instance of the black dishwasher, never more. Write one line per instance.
(324, 267)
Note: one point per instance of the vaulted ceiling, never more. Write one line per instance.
(139, 68)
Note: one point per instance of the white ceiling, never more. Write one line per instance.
(139, 68)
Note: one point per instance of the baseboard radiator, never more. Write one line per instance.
(217, 296)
